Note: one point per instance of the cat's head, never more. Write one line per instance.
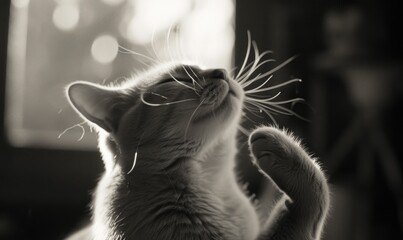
(174, 110)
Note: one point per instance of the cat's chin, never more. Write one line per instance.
(227, 110)
(223, 115)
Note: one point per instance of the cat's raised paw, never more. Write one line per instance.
(280, 157)
(270, 144)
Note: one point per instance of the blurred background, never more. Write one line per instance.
(349, 58)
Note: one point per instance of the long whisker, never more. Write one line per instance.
(244, 130)
(168, 42)
(245, 77)
(279, 109)
(274, 87)
(293, 100)
(255, 96)
(194, 73)
(134, 163)
(278, 67)
(153, 45)
(181, 83)
(255, 63)
(261, 108)
(274, 103)
(80, 125)
(246, 84)
(246, 57)
(136, 53)
(193, 80)
(253, 112)
(179, 45)
(135, 155)
(261, 85)
(164, 104)
(159, 95)
(291, 112)
(272, 108)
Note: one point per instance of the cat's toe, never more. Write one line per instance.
(266, 142)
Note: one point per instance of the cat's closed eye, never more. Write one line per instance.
(173, 79)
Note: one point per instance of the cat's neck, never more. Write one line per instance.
(208, 168)
(211, 169)
(206, 176)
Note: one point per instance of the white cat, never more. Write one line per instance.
(168, 142)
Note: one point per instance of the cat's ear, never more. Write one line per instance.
(95, 103)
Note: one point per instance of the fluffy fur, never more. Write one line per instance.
(168, 142)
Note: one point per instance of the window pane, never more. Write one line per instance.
(53, 43)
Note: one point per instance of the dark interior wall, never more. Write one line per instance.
(367, 203)
(43, 193)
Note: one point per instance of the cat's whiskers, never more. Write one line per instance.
(244, 130)
(254, 112)
(181, 83)
(168, 42)
(134, 162)
(252, 70)
(179, 46)
(194, 73)
(257, 90)
(153, 45)
(193, 80)
(159, 95)
(246, 56)
(80, 125)
(256, 65)
(260, 86)
(128, 51)
(255, 102)
(135, 155)
(278, 67)
(261, 108)
(248, 69)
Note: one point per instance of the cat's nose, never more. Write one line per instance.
(217, 73)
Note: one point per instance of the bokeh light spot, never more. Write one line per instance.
(104, 49)
(66, 16)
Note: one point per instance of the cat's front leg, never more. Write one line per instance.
(281, 158)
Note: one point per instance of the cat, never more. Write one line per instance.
(168, 143)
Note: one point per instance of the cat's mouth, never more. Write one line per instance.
(218, 103)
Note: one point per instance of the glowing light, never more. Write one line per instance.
(113, 2)
(20, 3)
(66, 16)
(104, 49)
(153, 16)
(208, 34)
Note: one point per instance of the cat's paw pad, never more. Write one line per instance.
(269, 143)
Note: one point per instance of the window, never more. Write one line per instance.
(53, 43)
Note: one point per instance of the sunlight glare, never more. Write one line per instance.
(208, 33)
(154, 15)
